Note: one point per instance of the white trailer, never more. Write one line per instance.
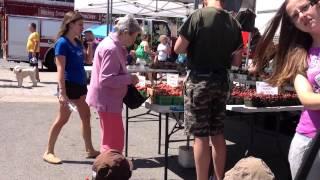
(265, 11)
(17, 30)
(17, 36)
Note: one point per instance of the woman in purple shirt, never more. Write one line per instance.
(110, 79)
(297, 61)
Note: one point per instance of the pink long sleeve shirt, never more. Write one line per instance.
(109, 76)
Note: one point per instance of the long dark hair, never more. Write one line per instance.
(69, 17)
(291, 55)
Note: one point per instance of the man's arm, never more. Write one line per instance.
(35, 50)
(181, 45)
(36, 45)
(237, 53)
(237, 58)
(89, 53)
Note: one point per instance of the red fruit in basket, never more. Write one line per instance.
(140, 88)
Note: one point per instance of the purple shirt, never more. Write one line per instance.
(310, 119)
(109, 76)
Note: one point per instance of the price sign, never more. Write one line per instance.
(142, 81)
(173, 80)
(265, 88)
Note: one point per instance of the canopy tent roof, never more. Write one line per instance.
(247, 4)
(168, 8)
(164, 8)
(99, 30)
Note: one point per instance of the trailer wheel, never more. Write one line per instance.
(49, 61)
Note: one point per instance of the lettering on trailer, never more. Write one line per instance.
(60, 13)
(46, 12)
(89, 16)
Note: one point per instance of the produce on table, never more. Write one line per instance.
(164, 94)
(249, 97)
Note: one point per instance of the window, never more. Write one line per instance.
(159, 28)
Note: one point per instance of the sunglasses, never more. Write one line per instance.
(304, 9)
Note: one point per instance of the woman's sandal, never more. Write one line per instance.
(92, 154)
(51, 158)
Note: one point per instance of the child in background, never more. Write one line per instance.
(163, 48)
(143, 51)
(131, 57)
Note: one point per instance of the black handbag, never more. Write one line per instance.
(133, 98)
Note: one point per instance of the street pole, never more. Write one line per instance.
(108, 18)
(110, 24)
(156, 5)
(196, 4)
(246, 65)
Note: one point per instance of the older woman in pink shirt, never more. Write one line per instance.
(109, 81)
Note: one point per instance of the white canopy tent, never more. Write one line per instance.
(164, 8)
(155, 8)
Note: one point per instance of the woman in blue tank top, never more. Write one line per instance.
(72, 88)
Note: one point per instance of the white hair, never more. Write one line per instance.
(127, 23)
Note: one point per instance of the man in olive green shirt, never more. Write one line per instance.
(212, 39)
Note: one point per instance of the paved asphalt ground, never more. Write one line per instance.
(27, 113)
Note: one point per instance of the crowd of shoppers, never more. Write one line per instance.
(211, 40)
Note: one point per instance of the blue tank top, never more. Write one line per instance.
(74, 69)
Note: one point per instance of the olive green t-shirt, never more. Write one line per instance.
(214, 35)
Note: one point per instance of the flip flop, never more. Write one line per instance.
(51, 158)
(92, 154)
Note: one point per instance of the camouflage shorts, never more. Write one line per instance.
(205, 106)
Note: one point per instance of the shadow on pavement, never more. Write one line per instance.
(141, 119)
(77, 162)
(7, 80)
(174, 167)
(45, 70)
(48, 82)
(264, 143)
(145, 163)
(13, 86)
(23, 87)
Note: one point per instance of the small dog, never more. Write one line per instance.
(22, 72)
